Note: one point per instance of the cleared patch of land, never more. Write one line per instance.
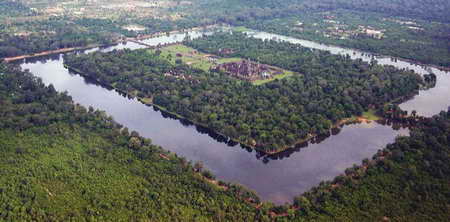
(371, 115)
(241, 29)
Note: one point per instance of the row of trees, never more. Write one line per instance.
(269, 116)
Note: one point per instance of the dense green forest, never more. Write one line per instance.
(231, 11)
(418, 40)
(427, 43)
(11, 46)
(271, 116)
(37, 35)
(33, 36)
(436, 10)
(61, 162)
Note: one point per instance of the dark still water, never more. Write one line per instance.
(277, 180)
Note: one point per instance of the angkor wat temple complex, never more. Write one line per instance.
(248, 70)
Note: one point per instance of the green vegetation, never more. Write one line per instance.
(277, 77)
(408, 38)
(371, 115)
(407, 181)
(270, 117)
(241, 29)
(62, 162)
(31, 37)
(103, 22)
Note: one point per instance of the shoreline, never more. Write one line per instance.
(257, 148)
(71, 49)
(338, 125)
(157, 34)
(50, 52)
(376, 54)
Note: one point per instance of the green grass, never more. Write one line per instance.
(226, 60)
(179, 48)
(147, 100)
(281, 76)
(241, 29)
(370, 115)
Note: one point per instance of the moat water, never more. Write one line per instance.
(277, 178)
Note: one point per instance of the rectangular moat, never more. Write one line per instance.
(278, 179)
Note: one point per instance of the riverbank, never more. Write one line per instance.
(158, 34)
(248, 142)
(50, 52)
(135, 40)
(367, 117)
(345, 47)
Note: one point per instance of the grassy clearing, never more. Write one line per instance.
(281, 76)
(241, 29)
(370, 115)
(147, 100)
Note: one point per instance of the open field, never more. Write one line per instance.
(241, 29)
(281, 76)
